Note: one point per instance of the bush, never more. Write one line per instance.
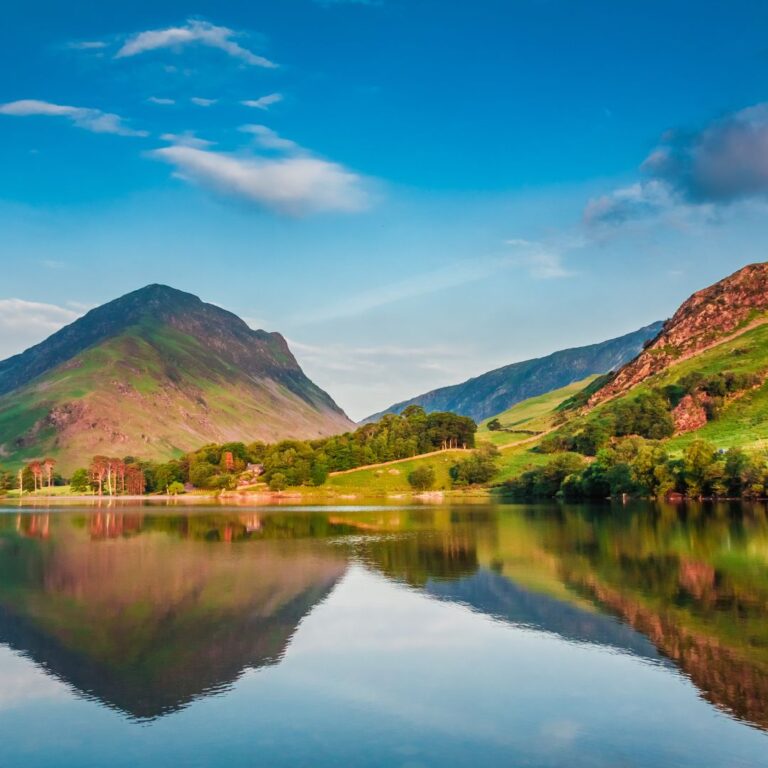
(478, 468)
(80, 482)
(278, 482)
(175, 488)
(422, 478)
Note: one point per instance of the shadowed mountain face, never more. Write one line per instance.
(496, 391)
(152, 374)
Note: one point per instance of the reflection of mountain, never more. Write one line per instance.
(146, 624)
(497, 596)
(731, 683)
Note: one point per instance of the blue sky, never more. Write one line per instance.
(412, 191)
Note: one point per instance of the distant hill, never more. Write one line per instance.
(496, 391)
(153, 374)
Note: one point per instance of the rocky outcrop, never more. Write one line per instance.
(708, 317)
(690, 414)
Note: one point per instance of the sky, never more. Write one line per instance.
(413, 192)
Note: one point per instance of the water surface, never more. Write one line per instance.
(519, 635)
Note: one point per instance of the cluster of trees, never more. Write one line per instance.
(476, 469)
(280, 465)
(640, 467)
(648, 414)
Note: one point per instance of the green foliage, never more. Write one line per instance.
(640, 467)
(175, 488)
(80, 482)
(478, 468)
(494, 425)
(422, 478)
(278, 482)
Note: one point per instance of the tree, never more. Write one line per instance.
(278, 482)
(494, 425)
(479, 467)
(422, 478)
(48, 465)
(79, 482)
(175, 488)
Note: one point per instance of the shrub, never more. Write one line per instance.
(422, 478)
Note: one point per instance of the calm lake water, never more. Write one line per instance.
(515, 635)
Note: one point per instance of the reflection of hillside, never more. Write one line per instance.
(735, 684)
(694, 581)
(497, 596)
(148, 623)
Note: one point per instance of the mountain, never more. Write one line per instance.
(496, 391)
(709, 365)
(153, 374)
(709, 317)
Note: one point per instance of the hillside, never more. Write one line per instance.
(153, 374)
(706, 319)
(496, 391)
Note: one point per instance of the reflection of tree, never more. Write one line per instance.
(417, 558)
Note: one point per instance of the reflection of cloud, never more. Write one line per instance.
(23, 683)
(560, 733)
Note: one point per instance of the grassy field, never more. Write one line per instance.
(534, 415)
(394, 478)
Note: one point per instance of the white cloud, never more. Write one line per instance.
(543, 261)
(24, 323)
(264, 102)
(193, 32)
(186, 139)
(161, 101)
(293, 185)
(93, 120)
(268, 139)
(88, 45)
(201, 102)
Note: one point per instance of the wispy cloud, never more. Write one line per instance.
(87, 45)
(193, 32)
(725, 162)
(186, 139)
(93, 120)
(543, 261)
(264, 102)
(268, 139)
(201, 102)
(23, 323)
(161, 101)
(451, 276)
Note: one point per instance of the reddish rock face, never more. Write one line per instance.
(705, 318)
(690, 414)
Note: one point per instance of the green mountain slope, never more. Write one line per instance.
(153, 374)
(496, 391)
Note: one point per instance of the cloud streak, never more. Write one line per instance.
(264, 102)
(194, 32)
(93, 120)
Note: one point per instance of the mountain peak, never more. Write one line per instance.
(708, 317)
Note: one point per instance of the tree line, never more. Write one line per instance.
(640, 467)
(288, 463)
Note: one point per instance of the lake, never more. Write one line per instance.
(430, 635)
